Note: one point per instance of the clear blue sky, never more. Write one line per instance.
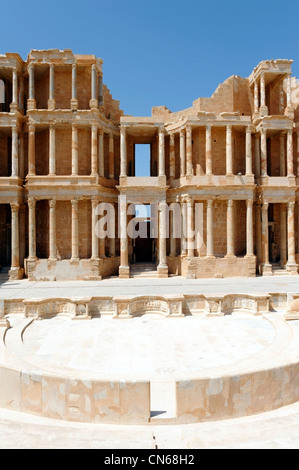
(158, 52)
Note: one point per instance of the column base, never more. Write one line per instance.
(51, 105)
(292, 269)
(266, 270)
(93, 104)
(31, 104)
(74, 105)
(230, 256)
(74, 260)
(162, 271)
(124, 272)
(16, 274)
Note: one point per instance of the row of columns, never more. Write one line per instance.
(260, 94)
(261, 153)
(186, 161)
(97, 151)
(96, 87)
(98, 245)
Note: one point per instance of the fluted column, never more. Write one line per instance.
(51, 100)
(94, 101)
(290, 156)
(94, 149)
(265, 234)
(74, 150)
(162, 234)
(94, 238)
(172, 157)
(257, 156)
(161, 151)
(258, 233)
(14, 153)
(263, 152)
(256, 97)
(31, 104)
(14, 103)
(248, 151)
(74, 100)
(209, 162)
(52, 157)
(75, 230)
(229, 151)
(52, 230)
(182, 154)
(249, 227)
(210, 228)
(291, 235)
(282, 170)
(230, 228)
(189, 151)
(111, 156)
(101, 153)
(32, 229)
(123, 152)
(31, 150)
(15, 247)
(283, 234)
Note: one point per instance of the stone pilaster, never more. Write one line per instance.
(74, 100)
(183, 227)
(190, 226)
(162, 267)
(229, 151)
(172, 157)
(52, 157)
(124, 269)
(32, 229)
(263, 152)
(182, 153)
(256, 97)
(283, 235)
(248, 151)
(31, 150)
(249, 227)
(258, 233)
(94, 237)
(189, 165)
(52, 230)
(75, 230)
(101, 153)
(263, 107)
(112, 252)
(161, 151)
(209, 162)
(15, 271)
(31, 103)
(266, 266)
(94, 101)
(111, 156)
(257, 156)
(171, 234)
(14, 105)
(282, 156)
(51, 100)
(210, 229)
(290, 156)
(74, 150)
(230, 228)
(22, 157)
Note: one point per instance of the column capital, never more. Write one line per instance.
(30, 66)
(15, 206)
(249, 202)
(171, 137)
(230, 203)
(52, 203)
(31, 202)
(94, 126)
(74, 202)
(182, 132)
(248, 129)
(263, 131)
(52, 125)
(123, 130)
(210, 203)
(208, 127)
(291, 206)
(162, 130)
(31, 127)
(94, 202)
(188, 128)
(228, 127)
(265, 206)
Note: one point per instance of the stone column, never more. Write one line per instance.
(297, 153)
(112, 237)
(15, 248)
(290, 156)
(51, 100)
(182, 154)
(74, 100)
(263, 108)
(229, 151)
(94, 101)
(257, 155)
(283, 235)
(183, 227)
(209, 162)
(14, 104)
(123, 152)
(189, 150)
(22, 157)
(101, 97)
(75, 230)
(94, 238)
(14, 153)
(161, 151)
(248, 151)
(31, 150)
(210, 229)
(21, 95)
(52, 230)
(162, 267)
(256, 97)
(292, 267)
(124, 269)
(101, 153)
(190, 222)
(289, 91)
(171, 234)
(32, 229)
(94, 149)
(111, 156)
(249, 228)
(230, 228)
(263, 152)
(282, 154)
(172, 157)
(74, 150)
(52, 157)
(258, 233)
(31, 104)
(267, 268)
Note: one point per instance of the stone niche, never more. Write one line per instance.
(168, 306)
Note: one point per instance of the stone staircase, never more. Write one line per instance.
(143, 270)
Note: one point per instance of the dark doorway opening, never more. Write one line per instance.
(143, 249)
(5, 236)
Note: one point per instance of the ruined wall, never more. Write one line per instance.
(63, 150)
